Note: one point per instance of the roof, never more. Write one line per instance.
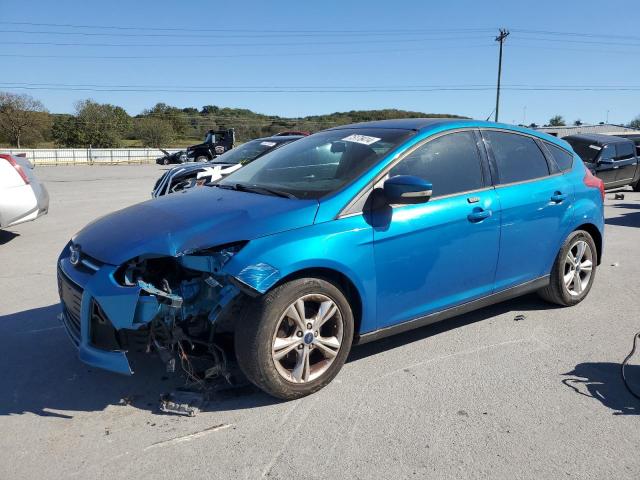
(281, 138)
(402, 123)
(597, 138)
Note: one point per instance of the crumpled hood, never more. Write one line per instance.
(197, 218)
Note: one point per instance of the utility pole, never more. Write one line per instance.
(504, 33)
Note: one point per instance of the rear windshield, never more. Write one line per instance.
(587, 151)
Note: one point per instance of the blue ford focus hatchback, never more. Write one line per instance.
(342, 237)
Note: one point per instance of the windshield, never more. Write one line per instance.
(246, 152)
(320, 164)
(586, 150)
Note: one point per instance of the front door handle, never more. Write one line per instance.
(478, 214)
(558, 197)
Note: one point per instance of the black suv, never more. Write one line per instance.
(613, 159)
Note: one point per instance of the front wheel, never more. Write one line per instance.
(202, 158)
(295, 339)
(573, 272)
(636, 187)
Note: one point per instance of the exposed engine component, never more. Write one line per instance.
(181, 300)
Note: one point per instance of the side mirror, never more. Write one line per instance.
(407, 189)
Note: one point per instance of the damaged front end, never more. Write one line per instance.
(177, 306)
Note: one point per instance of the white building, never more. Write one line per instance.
(604, 128)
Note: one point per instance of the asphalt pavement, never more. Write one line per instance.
(486, 395)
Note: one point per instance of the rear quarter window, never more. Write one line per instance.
(625, 151)
(563, 159)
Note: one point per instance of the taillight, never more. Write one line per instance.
(17, 167)
(590, 180)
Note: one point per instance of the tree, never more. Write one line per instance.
(635, 123)
(154, 132)
(178, 118)
(22, 116)
(100, 125)
(557, 121)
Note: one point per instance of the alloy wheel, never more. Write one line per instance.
(307, 339)
(578, 267)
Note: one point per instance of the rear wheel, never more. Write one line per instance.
(202, 158)
(295, 339)
(573, 271)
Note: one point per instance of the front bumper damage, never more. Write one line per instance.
(107, 313)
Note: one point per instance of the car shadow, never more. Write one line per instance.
(516, 305)
(6, 236)
(42, 375)
(603, 382)
(631, 219)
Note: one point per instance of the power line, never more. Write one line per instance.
(222, 45)
(318, 90)
(573, 34)
(429, 34)
(448, 85)
(192, 28)
(246, 55)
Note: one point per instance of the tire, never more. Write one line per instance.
(202, 158)
(565, 289)
(636, 187)
(165, 161)
(268, 329)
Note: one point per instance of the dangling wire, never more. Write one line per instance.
(624, 364)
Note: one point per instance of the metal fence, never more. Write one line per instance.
(87, 156)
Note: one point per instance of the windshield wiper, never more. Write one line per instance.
(242, 187)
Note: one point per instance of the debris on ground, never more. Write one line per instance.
(126, 400)
(519, 317)
(182, 402)
(615, 264)
(618, 196)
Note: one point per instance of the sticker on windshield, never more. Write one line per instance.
(363, 139)
(268, 144)
(595, 147)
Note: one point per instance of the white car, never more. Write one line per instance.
(22, 196)
(189, 175)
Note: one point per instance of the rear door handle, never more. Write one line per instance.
(478, 214)
(558, 197)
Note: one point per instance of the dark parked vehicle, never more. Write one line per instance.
(288, 133)
(612, 159)
(171, 158)
(186, 176)
(632, 136)
(216, 142)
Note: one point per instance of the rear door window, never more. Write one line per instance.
(563, 159)
(451, 163)
(518, 157)
(625, 151)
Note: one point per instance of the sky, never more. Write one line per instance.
(296, 58)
